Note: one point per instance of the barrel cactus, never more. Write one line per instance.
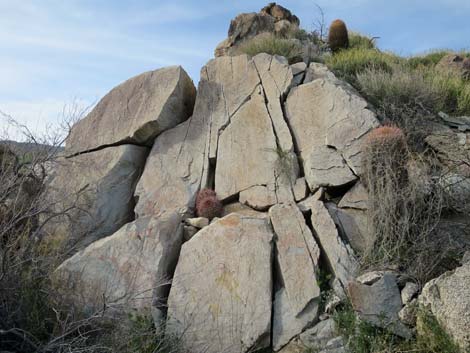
(208, 205)
(338, 36)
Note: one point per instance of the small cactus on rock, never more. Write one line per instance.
(208, 205)
(338, 36)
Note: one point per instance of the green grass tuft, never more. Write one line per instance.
(273, 45)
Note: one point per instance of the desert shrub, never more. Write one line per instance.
(402, 210)
(208, 205)
(338, 36)
(360, 41)
(347, 64)
(273, 45)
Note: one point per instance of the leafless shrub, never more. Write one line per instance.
(405, 203)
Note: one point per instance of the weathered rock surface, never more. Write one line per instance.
(131, 268)
(318, 336)
(297, 255)
(177, 166)
(257, 137)
(296, 304)
(99, 186)
(328, 113)
(340, 256)
(379, 304)
(136, 111)
(287, 325)
(222, 288)
(448, 298)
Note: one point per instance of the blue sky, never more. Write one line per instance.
(55, 52)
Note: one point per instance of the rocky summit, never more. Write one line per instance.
(282, 146)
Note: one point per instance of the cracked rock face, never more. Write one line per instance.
(131, 268)
(328, 120)
(136, 111)
(221, 292)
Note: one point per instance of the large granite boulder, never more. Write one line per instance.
(448, 299)
(91, 194)
(130, 269)
(220, 299)
(136, 111)
(329, 120)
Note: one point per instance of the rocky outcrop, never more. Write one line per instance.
(93, 193)
(130, 269)
(136, 111)
(220, 299)
(271, 19)
(448, 299)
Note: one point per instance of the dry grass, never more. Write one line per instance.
(273, 45)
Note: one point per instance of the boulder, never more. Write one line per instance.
(329, 116)
(136, 111)
(220, 299)
(448, 299)
(379, 304)
(300, 189)
(455, 63)
(97, 189)
(131, 268)
(177, 165)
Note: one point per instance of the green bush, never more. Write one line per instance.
(270, 44)
(359, 41)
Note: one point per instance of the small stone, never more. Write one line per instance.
(198, 222)
(370, 277)
(407, 314)
(407, 293)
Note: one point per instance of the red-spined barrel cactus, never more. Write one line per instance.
(338, 36)
(385, 155)
(208, 205)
